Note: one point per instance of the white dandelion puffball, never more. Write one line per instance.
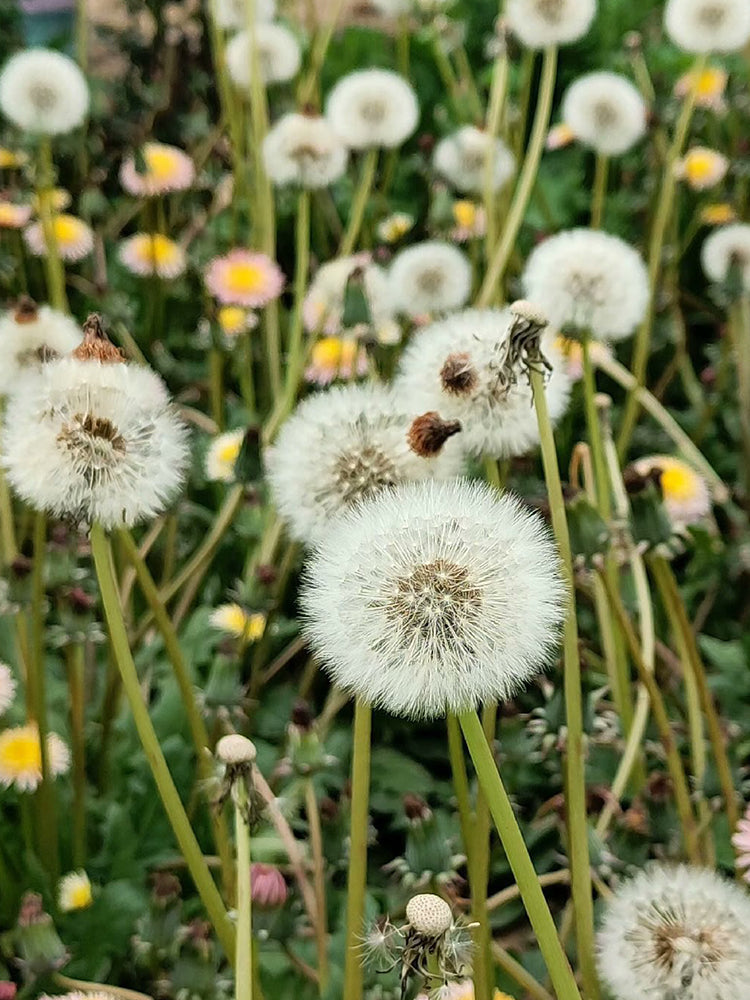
(233, 14)
(30, 336)
(434, 597)
(453, 367)
(676, 931)
(373, 107)
(342, 445)
(94, 441)
(540, 23)
(463, 158)
(323, 308)
(304, 150)
(605, 111)
(44, 92)
(727, 246)
(708, 25)
(430, 277)
(590, 280)
(278, 51)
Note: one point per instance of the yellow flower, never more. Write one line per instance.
(74, 238)
(236, 621)
(685, 492)
(74, 892)
(394, 227)
(710, 84)
(702, 168)
(222, 455)
(13, 216)
(718, 214)
(469, 219)
(559, 136)
(146, 254)
(9, 159)
(59, 199)
(21, 757)
(336, 357)
(234, 320)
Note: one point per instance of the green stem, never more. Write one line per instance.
(739, 332)
(520, 974)
(359, 203)
(216, 386)
(460, 786)
(501, 254)
(319, 882)
(184, 834)
(296, 358)
(575, 776)
(601, 176)
(243, 971)
(480, 873)
(498, 92)
(603, 498)
(519, 860)
(77, 690)
(52, 263)
(355, 893)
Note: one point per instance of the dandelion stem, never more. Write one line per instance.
(601, 176)
(243, 971)
(295, 361)
(355, 891)
(216, 387)
(517, 972)
(359, 203)
(184, 834)
(575, 767)
(52, 263)
(460, 786)
(501, 253)
(498, 92)
(316, 848)
(77, 690)
(739, 332)
(519, 860)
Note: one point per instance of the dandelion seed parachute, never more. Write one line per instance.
(605, 111)
(44, 92)
(430, 277)
(725, 247)
(30, 335)
(433, 597)
(708, 25)
(340, 446)
(373, 107)
(304, 150)
(541, 23)
(278, 53)
(463, 159)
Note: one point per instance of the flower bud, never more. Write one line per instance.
(269, 889)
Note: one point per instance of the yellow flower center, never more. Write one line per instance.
(711, 82)
(330, 352)
(719, 214)
(678, 482)
(161, 163)
(234, 619)
(703, 166)
(67, 229)
(157, 249)
(80, 896)
(465, 214)
(243, 277)
(232, 319)
(256, 626)
(229, 451)
(21, 753)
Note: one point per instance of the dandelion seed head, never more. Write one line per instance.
(373, 107)
(43, 92)
(233, 14)
(278, 51)
(708, 25)
(304, 150)
(30, 336)
(236, 749)
(429, 914)
(430, 278)
(540, 23)
(605, 111)
(467, 157)
(728, 246)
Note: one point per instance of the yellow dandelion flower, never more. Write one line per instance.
(702, 168)
(686, 495)
(234, 320)
(469, 218)
(395, 227)
(74, 892)
(21, 757)
(718, 214)
(233, 618)
(222, 455)
(710, 84)
(11, 159)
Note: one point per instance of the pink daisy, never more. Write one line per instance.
(244, 278)
(146, 254)
(74, 238)
(336, 357)
(167, 169)
(741, 844)
(13, 216)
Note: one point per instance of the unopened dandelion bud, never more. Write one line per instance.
(429, 915)
(269, 888)
(428, 433)
(457, 374)
(96, 345)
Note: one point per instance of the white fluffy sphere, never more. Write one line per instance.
(540, 23)
(463, 158)
(278, 52)
(43, 91)
(429, 278)
(30, 338)
(373, 107)
(708, 25)
(304, 150)
(723, 247)
(233, 14)
(605, 111)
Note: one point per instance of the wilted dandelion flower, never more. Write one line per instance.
(74, 892)
(31, 335)
(304, 150)
(278, 51)
(589, 280)
(165, 169)
(343, 445)
(431, 277)
(323, 308)
(234, 13)
(332, 358)
(463, 159)
(7, 687)
(708, 25)
(709, 84)
(146, 254)
(73, 237)
(92, 438)
(719, 214)
(394, 227)
(234, 320)
(21, 757)
(540, 23)
(222, 456)
(605, 111)
(676, 932)
(685, 492)
(728, 246)
(244, 278)
(470, 220)
(702, 168)
(455, 367)
(12, 215)
(373, 107)
(741, 845)
(559, 136)
(236, 621)
(434, 597)
(43, 91)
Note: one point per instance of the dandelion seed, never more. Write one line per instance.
(244, 278)
(540, 23)
(30, 336)
(146, 254)
(167, 169)
(7, 687)
(222, 456)
(21, 757)
(463, 159)
(430, 278)
(371, 108)
(234, 620)
(685, 492)
(304, 150)
(702, 168)
(278, 54)
(336, 358)
(73, 237)
(708, 25)
(727, 247)
(74, 892)
(606, 112)
(43, 92)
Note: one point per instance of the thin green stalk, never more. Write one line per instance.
(575, 766)
(357, 883)
(469, 83)
(460, 785)
(661, 217)
(319, 882)
(359, 203)
(599, 194)
(184, 834)
(480, 874)
(77, 691)
(403, 45)
(295, 359)
(216, 386)
(8, 546)
(739, 331)
(52, 264)
(447, 73)
(501, 254)
(308, 87)
(519, 860)
(243, 970)
(519, 973)
(498, 92)
(601, 478)
(195, 719)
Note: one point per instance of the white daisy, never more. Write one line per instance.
(7, 687)
(676, 932)
(429, 278)
(31, 335)
(74, 892)
(540, 23)
(589, 280)
(304, 150)
(454, 367)
(373, 107)
(44, 92)
(434, 597)
(686, 495)
(724, 247)
(462, 158)
(340, 446)
(708, 25)
(233, 14)
(323, 308)
(222, 454)
(605, 111)
(278, 51)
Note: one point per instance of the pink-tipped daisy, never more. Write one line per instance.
(687, 498)
(21, 757)
(244, 278)
(470, 221)
(146, 254)
(702, 168)
(741, 844)
(74, 238)
(167, 169)
(336, 357)
(709, 85)
(13, 216)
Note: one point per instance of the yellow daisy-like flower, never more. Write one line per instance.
(167, 168)
(222, 455)
(234, 320)
(686, 495)
(59, 200)
(233, 618)
(13, 216)
(146, 254)
(10, 159)
(21, 757)
(244, 278)
(336, 357)
(559, 136)
(718, 214)
(395, 227)
(710, 84)
(469, 218)
(74, 892)
(74, 238)
(702, 168)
